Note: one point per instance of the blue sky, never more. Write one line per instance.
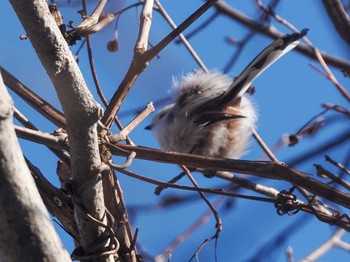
(288, 94)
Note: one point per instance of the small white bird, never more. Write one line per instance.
(211, 116)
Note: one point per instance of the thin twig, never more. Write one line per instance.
(225, 9)
(206, 200)
(333, 142)
(54, 148)
(238, 51)
(276, 170)
(340, 18)
(191, 188)
(142, 56)
(182, 37)
(166, 253)
(94, 22)
(321, 212)
(330, 243)
(122, 135)
(264, 146)
(317, 53)
(322, 172)
(337, 108)
(338, 165)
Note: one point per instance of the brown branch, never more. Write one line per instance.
(182, 37)
(58, 142)
(328, 73)
(271, 32)
(338, 165)
(55, 200)
(337, 140)
(263, 145)
(56, 150)
(142, 57)
(275, 170)
(316, 208)
(337, 108)
(94, 22)
(339, 17)
(35, 101)
(322, 172)
(218, 225)
(138, 64)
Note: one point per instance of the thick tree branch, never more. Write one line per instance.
(259, 168)
(81, 111)
(25, 225)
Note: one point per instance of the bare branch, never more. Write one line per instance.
(41, 138)
(317, 53)
(39, 104)
(81, 111)
(142, 57)
(263, 145)
(29, 125)
(326, 246)
(275, 170)
(182, 37)
(337, 108)
(92, 23)
(56, 201)
(24, 223)
(138, 64)
(272, 32)
(339, 17)
(122, 135)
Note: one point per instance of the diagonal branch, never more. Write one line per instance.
(339, 17)
(81, 111)
(274, 170)
(142, 56)
(35, 101)
(26, 123)
(272, 32)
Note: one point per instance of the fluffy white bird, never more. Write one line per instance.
(211, 115)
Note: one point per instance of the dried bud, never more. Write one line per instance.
(23, 37)
(113, 45)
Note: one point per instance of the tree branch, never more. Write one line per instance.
(339, 17)
(143, 56)
(227, 10)
(81, 112)
(274, 170)
(35, 101)
(24, 223)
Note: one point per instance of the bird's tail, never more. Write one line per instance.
(267, 57)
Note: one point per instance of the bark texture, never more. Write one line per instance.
(27, 233)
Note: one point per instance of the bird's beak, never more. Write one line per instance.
(149, 127)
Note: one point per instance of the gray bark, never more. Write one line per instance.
(27, 233)
(81, 112)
